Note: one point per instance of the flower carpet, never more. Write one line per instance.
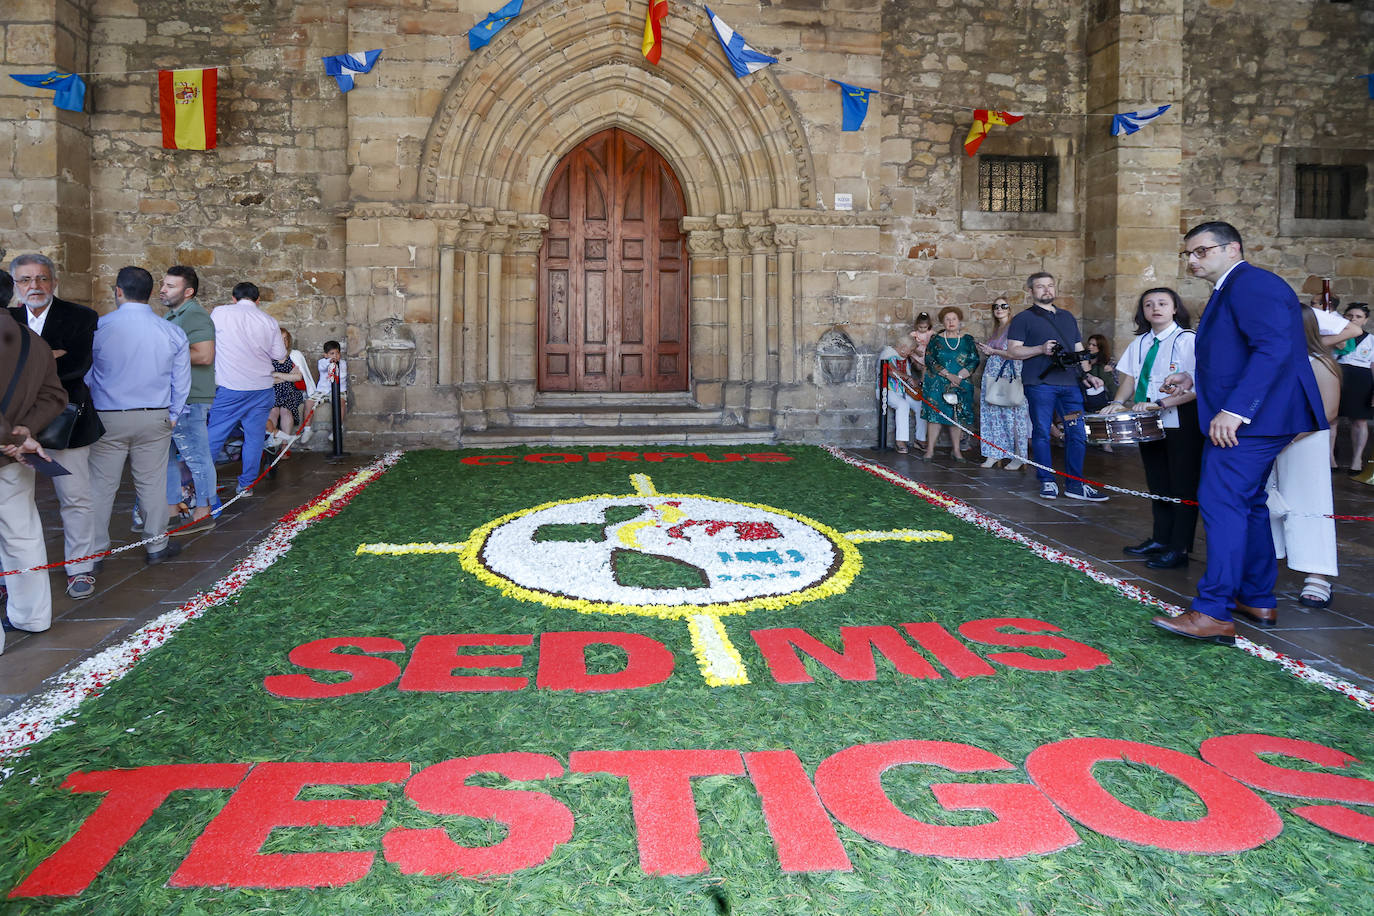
(776, 680)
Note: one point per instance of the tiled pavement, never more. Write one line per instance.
(1338, 639)
(129, 593)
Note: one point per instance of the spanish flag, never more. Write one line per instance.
(653, 30)
(187, 100)
(983, 121)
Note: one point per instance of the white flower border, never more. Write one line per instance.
(56, 708)
(962, 510)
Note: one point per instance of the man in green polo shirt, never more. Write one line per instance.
(190, 437)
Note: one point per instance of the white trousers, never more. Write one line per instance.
(1302, 481)
(904, 407)
(29, 605)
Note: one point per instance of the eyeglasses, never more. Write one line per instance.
(1200, 251)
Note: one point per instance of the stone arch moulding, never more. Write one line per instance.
(565, 70)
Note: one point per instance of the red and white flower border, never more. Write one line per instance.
(56, 708)
(964, 511)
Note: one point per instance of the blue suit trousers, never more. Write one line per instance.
(1240, 547)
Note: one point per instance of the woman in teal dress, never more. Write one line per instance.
(951, 358)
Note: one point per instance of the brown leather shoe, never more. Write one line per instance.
(1197, 625)
(1265, 617)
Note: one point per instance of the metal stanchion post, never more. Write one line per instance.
(882, 406)
(336, 414)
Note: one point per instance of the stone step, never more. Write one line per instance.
(662, 399)
(613, 415)
(506, 436)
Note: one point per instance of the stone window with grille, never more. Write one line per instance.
(1019, 183)
(1016, 184)
(1325, 193)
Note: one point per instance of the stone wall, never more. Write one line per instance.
(940, 61)
(400, 199)
(1264, 76)
(264, 206)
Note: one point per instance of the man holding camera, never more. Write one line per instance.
(1044, 337)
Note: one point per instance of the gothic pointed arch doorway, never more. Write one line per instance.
(613, 305)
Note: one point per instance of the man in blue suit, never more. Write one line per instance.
(1255, 392)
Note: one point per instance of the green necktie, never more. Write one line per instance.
(1142, 387)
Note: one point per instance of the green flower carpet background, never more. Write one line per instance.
(201, 700)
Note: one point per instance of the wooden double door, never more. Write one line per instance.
(613, 308)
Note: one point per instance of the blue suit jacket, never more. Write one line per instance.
(1252, 357)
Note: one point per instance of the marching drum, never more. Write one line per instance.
(1125, 428)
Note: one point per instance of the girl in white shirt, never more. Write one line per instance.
(1174, 464)
(1357, 387)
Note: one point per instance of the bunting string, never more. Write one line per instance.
(740, 54)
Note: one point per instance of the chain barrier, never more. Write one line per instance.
(1125, 491)
(314, 401)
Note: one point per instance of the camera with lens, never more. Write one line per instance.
(1061, 357)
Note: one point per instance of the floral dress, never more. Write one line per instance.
(1008, 427)
(940, 356)
(286, 394)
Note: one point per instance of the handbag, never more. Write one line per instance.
(58, 433)
(1004, 391)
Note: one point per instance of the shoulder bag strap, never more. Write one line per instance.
(18, 368)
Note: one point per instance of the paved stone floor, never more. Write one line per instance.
(1339, 639)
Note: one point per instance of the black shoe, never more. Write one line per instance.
(9, 627)
(166, 553)
(1169, 559)
(1146, 548)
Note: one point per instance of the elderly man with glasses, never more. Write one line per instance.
(69, 330)
(1256, 391)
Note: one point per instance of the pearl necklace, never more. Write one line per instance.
(952, 346)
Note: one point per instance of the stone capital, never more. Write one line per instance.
(528, 240)
(760, 238)
(735, 241)
(705, 242)
(785, 237)
(472, 235)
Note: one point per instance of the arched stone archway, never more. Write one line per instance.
(560, 73)
(563, 71)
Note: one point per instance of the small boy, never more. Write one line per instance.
(333, 363)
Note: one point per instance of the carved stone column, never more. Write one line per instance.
(760, 244)
(705, 293)
(470, 239)
(497, 239)
(522, 306)
(735, 246)
(448, 239)
(785, 238)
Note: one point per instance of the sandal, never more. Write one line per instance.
(901, 448)
(1316, 592)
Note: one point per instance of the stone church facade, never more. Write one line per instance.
(554, 223)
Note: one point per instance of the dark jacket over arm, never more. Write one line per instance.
(38, 395)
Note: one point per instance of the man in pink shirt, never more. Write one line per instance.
(247, 340)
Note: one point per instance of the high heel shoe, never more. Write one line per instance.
(990, 463)
(1015, 464)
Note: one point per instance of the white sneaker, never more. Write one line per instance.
(306, 433)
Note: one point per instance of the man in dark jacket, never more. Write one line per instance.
(68, 329)
(30, 397)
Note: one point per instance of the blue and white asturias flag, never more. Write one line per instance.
(1131, 121)
(69, 91)
(853, 104)
(343, 66)
(486, 30)
(743, 59)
